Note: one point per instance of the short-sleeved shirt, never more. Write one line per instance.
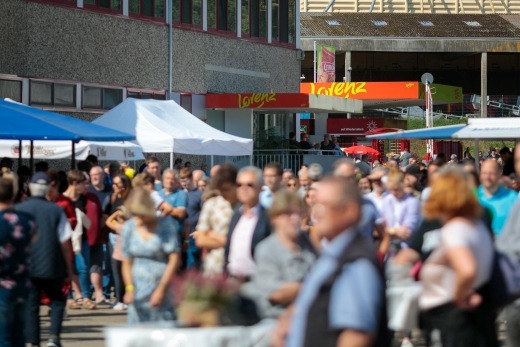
(438, 278)
(215, 215)
(16, 232)
(499, 204)
(177, 199)
(194, 207)
(354, 301)
(150, 257)
(276, 265)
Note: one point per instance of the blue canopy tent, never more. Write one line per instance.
(22, 122)
(437, 133)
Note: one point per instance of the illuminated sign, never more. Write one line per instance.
(364, 90)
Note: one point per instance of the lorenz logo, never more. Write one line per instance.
(128, 153)
(15, 149)
(101, 152)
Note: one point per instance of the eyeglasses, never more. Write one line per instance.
(248, 184)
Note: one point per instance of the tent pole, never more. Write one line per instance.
(171, 160)
(31, 160)
(73, 156)
(212, 161)
(19, 153)
(477, 158)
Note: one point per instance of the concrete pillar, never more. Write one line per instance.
(348, 72)
(483, 85)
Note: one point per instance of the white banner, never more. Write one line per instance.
(124, 150)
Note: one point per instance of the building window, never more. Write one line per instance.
(101, 98)
(52, 94)
(11, 89)
(222, 15)
(153, 9)
(160, 95)
(284, 21)
(254, 13)
(106, 4)
(187, 11)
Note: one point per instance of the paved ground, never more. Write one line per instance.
(84, 328)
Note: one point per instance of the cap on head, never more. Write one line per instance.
(40, 178)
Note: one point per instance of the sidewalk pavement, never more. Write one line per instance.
(84, 328)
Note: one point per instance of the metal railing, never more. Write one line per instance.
(294, 159)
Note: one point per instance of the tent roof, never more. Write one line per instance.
(490, 128)
(164, 127)
(443, 132)
(22, 122)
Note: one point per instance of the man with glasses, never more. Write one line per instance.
(249, 225)
(342, 299)
(273, 182)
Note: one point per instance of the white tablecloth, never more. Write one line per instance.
(167, 335)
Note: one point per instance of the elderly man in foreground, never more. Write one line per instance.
(342, 300)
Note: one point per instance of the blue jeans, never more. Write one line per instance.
(12, 320)
(83, 266)
(192, 255)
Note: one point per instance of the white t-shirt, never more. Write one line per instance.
(438, 278)
(64, 229)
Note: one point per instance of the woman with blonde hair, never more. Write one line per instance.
(458, 267)
(151, 256)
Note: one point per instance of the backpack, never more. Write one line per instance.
(503, 286)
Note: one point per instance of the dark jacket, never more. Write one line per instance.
(46, 259)
(318, 332)
(262, 230)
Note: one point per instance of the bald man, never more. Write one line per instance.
(498, 199)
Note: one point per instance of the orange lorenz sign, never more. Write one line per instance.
(364, 90)
(257, 100)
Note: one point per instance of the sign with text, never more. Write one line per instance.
(359, 126)
(257, 100)
(326, 63)
(364, 90)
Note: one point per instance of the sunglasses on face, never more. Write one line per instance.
(291, 185)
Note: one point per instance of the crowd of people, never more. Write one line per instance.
(313, 251)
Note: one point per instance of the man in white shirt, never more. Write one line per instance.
(273, 182)
(249, 225)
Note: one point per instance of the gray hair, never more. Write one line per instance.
(172, 171)
(39, 190)
(254, 170)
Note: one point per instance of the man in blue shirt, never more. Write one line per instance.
(493, 196)
(342, 300)
(193, 209)
(175, 197)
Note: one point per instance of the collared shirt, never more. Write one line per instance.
(404, 212)
(500, 204)
(377, 200)
(276, 265)
(266, 197)
(178, 199)
(241, 262)
(354, 300)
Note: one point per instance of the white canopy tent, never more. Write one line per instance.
(490, 129)
(44, 150)
(166, 127)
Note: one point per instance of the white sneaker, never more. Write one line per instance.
(119, 306)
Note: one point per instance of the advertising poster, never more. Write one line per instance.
(326, 64)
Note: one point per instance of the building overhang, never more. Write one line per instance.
(284, 103)
(414, 44)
